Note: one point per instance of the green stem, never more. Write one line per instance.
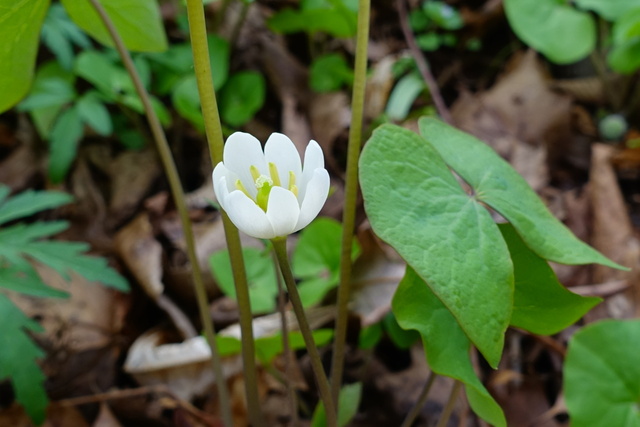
(448, 409)
(179, 200)
(213, 128)
(286, 347)
(280, 249)
(351, 194)
(422, 399)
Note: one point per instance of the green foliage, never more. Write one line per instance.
(608, 9)
(402, 338)
(242, 97)
(497, 184)
(19, 31)
(139, 23)
(18, 359)
(442, 15)
(602, 374)
(267, 348)
(348, 402)
(404, 94)
(561, 32)
(60, 34)
(261, 277)
(625, 37)
(433, 24)
(467, 278)
(20, 245)
(446, 345)
(316, 259)
(415, 204)
(329, 73)
(334, 17)
(541, 305)
(370, 336)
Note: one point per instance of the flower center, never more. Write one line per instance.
(264, 184)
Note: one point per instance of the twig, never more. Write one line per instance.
(451, 403)
(423, 65)
(422, 399)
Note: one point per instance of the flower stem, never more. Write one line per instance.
(179, 200)
(280, 249)
(422, 399)
(213, 128)
(448, 409)
(351, 194)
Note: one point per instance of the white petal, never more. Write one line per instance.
(280, 150)
(242, 151)
(247, 216)
(317, 192)
(313, 159)
(220, 188)
(283, 211)
(221, 171)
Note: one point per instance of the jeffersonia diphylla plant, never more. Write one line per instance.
(467, 278)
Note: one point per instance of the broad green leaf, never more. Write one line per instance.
(267, 348)
(541, 305)
(404, 95)
(63, 143)
(418, 20)
(24, 279)
(51, 92)
(18, 359)
(43, 118)
(429, 41)
(20, 23)
(370, 336)
(602, 375)
(316, 259)
(329, 72)
(30, 202)
(242, 97)
(497, 184)
(348, 402)
(186, 99)
(415, 204)
(608, 9)
(554, 28)
(138, 22)
(446, 345)
(228, 346)
(94, 113)
(261, 277)
(329, 21)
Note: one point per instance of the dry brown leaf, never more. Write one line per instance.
(106, 418)
(613, 233)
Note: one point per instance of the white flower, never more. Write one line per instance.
(269, 194)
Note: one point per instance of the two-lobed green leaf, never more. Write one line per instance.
(497, 184)
(415, 204)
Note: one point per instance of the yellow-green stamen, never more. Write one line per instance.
(273, 171)
(292, 183)
(240, 186)
(255, 173)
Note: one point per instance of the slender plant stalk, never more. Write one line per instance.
(213, 128)
(451, 403)
(280, 249)
(422, 399)
(286, 347)
(421, 62)
(179, 200)
(351, 195)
